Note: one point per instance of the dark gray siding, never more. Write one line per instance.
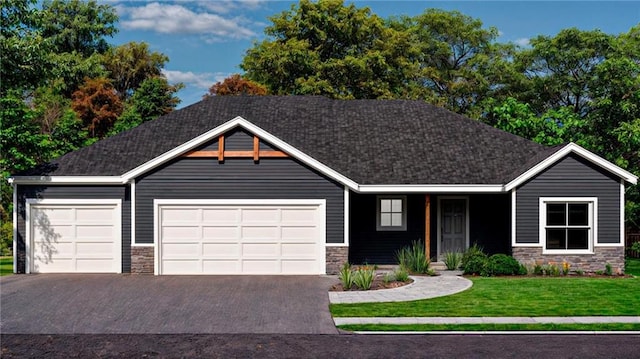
(489, 222)
(76, 192)
(368, 245)
(237, 178)
(570, 177)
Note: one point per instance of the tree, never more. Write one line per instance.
(154, 98)
(97, 105)
(236, 85)
(78, 26)
(130, 64)
(328, 48)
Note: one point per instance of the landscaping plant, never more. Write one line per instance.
(413, 258)
(363, 277)
(608, 270)
(401, 275)
(501, 264)
(346, 276)
(452, 260)
(474, 260)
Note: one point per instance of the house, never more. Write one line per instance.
(300, 185)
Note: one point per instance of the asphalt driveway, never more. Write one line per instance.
(104, 303)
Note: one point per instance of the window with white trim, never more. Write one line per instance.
(391, 213)
(568, 225)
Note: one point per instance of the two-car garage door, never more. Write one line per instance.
(245, 237)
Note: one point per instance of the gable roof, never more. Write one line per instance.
(368, 142)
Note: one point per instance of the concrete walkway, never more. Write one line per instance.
(446, 283)
(485, 320)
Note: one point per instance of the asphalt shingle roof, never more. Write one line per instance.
(368, 141)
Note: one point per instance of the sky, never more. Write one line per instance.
(206, 40)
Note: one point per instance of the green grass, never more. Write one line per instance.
(491, 327)
(518, 296)
(6, 266)
(632, 266)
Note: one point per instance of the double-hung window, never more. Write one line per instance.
(568, 224)
(391, 213)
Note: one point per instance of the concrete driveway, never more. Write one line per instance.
(104, 303)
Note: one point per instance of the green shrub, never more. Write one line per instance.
(537, 269)
(401, 275)
(522, 270)
(474, 261)
(413, 258)
(502, 264)
(607, 269)
(452, 260)
(389, 277)
(363, 277)
(635, 247)
(346, 276)
(6, 238)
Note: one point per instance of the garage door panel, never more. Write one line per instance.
(67, 238)
(218, 250)
(220, 233)
(221, 216)
(180, 215)
(242, 239)
(179, 234)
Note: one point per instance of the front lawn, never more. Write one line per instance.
(6, 266)
(518, 296)
(632, 266)
(490, 327)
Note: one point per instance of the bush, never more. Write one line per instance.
(452, 260)
(635, 247)
(502, 264)
(413, 258)
(6, 238)
(346, 276)
(401, 275)
(363, 277)
(474, 261)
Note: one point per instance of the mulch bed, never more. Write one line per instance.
(378, 283)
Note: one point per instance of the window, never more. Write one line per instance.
(568, 224)
(391, 213)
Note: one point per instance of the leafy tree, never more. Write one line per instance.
(78, 26)
(328, 48)
(154, 98)
(236, 85)
(97, 105)
(130, 64)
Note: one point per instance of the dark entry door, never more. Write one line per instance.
(453, 225)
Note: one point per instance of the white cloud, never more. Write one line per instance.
(523, 41)
(226, 6)
(202, 80)
(178, 19)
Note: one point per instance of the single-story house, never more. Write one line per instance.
(302, 184)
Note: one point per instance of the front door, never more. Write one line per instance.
(453, 225)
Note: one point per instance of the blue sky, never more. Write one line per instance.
(206, 40)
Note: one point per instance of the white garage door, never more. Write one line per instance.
(74, 237)
(241, 239)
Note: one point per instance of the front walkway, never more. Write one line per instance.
(446, 283)
(484, 320)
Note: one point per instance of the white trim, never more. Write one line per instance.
(514, 243)
(622, 205)
(441, 188)
(593, 219)
(132, 198)
(15, 227)
(390, 228)
(336, 245)
(439, 221)
(320, 203)
(241, 122)
(29, 202)
(347, 208)
(572, 148)
(108, 180)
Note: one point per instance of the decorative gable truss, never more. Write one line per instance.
(222, 153)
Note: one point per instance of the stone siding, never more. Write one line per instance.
(585, 262)
(142, 260)
(336, 258)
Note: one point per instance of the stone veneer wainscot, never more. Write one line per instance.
(585, 262)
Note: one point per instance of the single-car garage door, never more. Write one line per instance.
(241, 238)
(73, 236)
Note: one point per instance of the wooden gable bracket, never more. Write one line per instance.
(221, 153)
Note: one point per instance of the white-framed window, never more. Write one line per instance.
(391, 213)
(568, 225)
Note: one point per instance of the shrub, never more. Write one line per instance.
(537, 269)
(607, 269)
(635, 246)
(346, 276)
(452, 260)
(523, 269)
(413, 258)
(363, 277)
(389, 277)
(474, 261)
(6, 238)
(401, 275)
(501, 264)
(579, 272)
